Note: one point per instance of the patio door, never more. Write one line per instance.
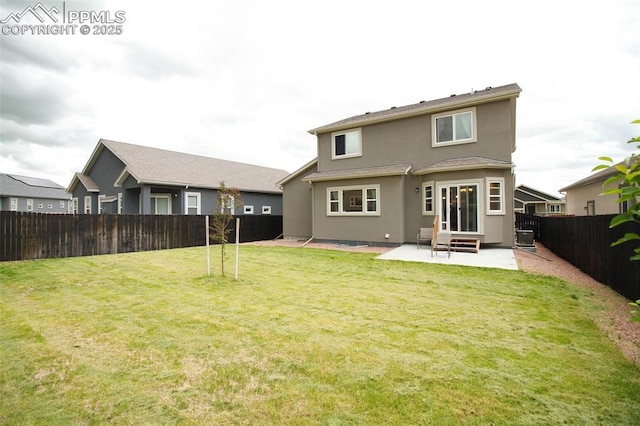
(459, 207)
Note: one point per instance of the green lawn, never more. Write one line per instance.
(303, 337)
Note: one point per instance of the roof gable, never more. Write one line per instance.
(163, 167)
(530, 194)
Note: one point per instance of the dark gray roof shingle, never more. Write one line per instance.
(26, 186)
(160, 166)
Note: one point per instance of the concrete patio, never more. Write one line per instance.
(502, 258)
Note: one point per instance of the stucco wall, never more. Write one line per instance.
(577, 199)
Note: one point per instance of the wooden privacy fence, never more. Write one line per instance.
(25, 236)
(585, 242)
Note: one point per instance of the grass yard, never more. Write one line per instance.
(303, 337)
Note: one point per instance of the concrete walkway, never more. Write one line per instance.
(487, 257)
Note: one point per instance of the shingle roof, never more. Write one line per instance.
(529, 194)
(163, 167)
(464, 163)
(390, 170)
(87, 182)
(489, 94)
(600, 175)
(26, 186)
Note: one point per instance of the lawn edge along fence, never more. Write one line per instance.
(26, 236)
(585, 242)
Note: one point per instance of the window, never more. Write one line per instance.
(353, 200)
(495, 196)
(454, 128)
(427, 198)
(554, 208)
(346, 144)
(29, 205)
(120, 203)
(62, 204)
(266, 209)
(193, 203)
(248, 209)
(74, 205)
(459, 207)
(87, 204)
(161, 204)
(14, 204)
(228, 205)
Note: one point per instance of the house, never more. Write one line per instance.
(531, 201)
(584, 199)
(31, 194)
(380, 176)
(133, 179)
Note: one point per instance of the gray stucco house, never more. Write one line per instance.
(380, 176)
(531, 201)
(31, 194)
(133, 179)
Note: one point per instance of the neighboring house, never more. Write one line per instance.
(133, 179)
(531, 201)
(30, 194)
(380, 176)
(584, 199)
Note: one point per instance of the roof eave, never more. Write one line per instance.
(428, 170)
(455, 104)
(357, 176)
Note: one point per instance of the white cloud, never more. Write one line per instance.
(246, 80)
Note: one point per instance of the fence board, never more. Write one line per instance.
(585, 242)
(27, 235)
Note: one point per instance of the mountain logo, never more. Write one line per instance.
(38, 11)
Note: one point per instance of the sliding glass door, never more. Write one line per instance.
(459, 207)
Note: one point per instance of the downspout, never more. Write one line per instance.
(313, 214)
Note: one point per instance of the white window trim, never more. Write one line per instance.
(363, 188)
(229, 203)
(87, 204)
(344, 132)
(14, 204)
(29, 205)
(62, 204)
(424, 198)
(481, 212)
(502, 211)
(74, 205)
(198, 202)
(120, 202)
(248, 209)
(474, 128)
(266, 209)
(161, 195)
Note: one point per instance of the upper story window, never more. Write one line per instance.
(346, 144)
(454, 127)
(14, 204)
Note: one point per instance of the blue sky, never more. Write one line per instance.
(244, 81)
